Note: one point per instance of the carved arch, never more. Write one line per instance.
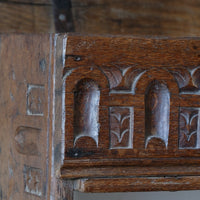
(86, 110)
(86, 89)
(159, 92)
(157, 109)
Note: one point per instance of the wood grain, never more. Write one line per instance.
(23, 136)
(28, 133)
(138, 184)
(46, 2)
(144, 84)
(26, 18)
(132, 17)
(154, 17)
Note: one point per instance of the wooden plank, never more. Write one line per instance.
(155, 17)
(137, 184)
(46, 2)
(26, 18)
(120, 171)
(28, 134)
(25, 64)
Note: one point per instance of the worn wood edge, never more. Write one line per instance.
(60, 189)
(132, 162)
(130, 171)
(94, 36)
(64, 189)
(138, 184)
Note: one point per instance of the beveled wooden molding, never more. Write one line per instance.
(138, 184)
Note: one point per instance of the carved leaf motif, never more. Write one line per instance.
(188, 79)
(196, 77)
(120, 127)
(188, 123)
(122, 77)
(188, 126)
(129, 81)
(132, 78)
(120, 119)
(113, 74)
(182, 76)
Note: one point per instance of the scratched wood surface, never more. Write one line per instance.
(26, 155)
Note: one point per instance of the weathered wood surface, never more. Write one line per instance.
(26, 17)
(154, 17)
(137, 184)
(46, 2)
(143, 18)
(27, 168)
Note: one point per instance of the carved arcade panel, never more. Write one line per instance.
(130, 107)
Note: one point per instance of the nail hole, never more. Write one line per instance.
(62, 17)
(77, 58)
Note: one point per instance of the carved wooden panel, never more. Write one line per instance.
(142, 97)
(98, 110)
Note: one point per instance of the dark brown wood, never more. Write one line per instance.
(135, 17)
(138, 184)
(131, 105)
(46, 2)
(142, 18)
